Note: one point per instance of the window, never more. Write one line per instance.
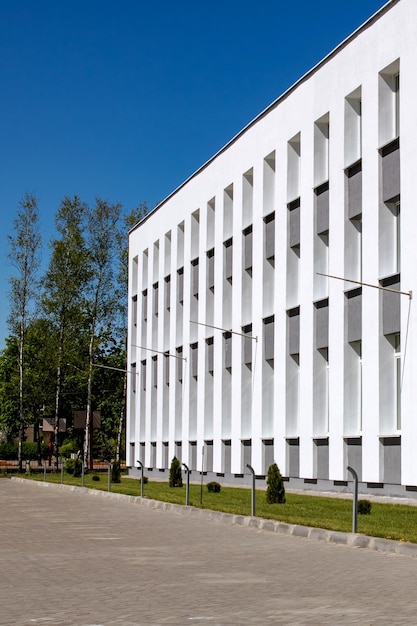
(210, 269)
(269, 234)
(145, 305)
(135, 310)
(322, 324)
(179, 364)
(166, 368)
(227, 337)
(194, 360)
(269, 338)
(228, 259)
(322, 209)
(247, 249)
(155, 371)
(210, 354)
(294, 224)
(194, 277)
(293, 330)
(398, 378)
(354, 315)
(180, 285)
(168, 292)
(133, 377)
(247, 345)
(155, 299)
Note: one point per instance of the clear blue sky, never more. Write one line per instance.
(125, 100)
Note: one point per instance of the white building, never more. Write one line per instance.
(260, 242)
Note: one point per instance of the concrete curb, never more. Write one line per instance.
(354, 540)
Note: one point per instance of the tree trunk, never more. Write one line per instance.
(21, 410)
(121, 420)
(88, 438)
(58, 395)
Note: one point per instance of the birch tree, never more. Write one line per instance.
(63, 286)
(101, 301)
(24, 254)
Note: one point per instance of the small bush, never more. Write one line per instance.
(213, 487)
(69, 466)
(275, 492)
(145, 480)
(74, 467)
(364, 507)
(95, 477)
(78, 468)
(115, 472)
(175, 475)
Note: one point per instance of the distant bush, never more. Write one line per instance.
(71, 447)
(74, 467)
(95, 477)
(145, 480)
(9, 451)
(213, 487)
(364, 507)
(175, 475)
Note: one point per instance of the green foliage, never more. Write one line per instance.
(82, 319)
(115, 472)
(71, 447)
(175, 474)
(275, 492)
(9, 451)
(74, 467)
(145, 480)
(95, 477)
(213, 487)
(364, 507)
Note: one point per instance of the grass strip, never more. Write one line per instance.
(390, 521)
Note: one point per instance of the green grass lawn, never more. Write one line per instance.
(391, 521)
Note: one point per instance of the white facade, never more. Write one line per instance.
(312, 186)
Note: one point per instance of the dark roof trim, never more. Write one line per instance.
(374, 18)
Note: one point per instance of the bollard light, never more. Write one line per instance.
(355, 500)
(187, 485)
(252, 512)
(141, 477)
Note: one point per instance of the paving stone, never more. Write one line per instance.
(71, 559)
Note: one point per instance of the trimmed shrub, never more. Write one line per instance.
(115, 472)
(95, 477)
(213, 487)
(275, 492)
(364, 507)
(175, 475)
(145, 480)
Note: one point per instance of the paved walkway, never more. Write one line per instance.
(69, 558)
